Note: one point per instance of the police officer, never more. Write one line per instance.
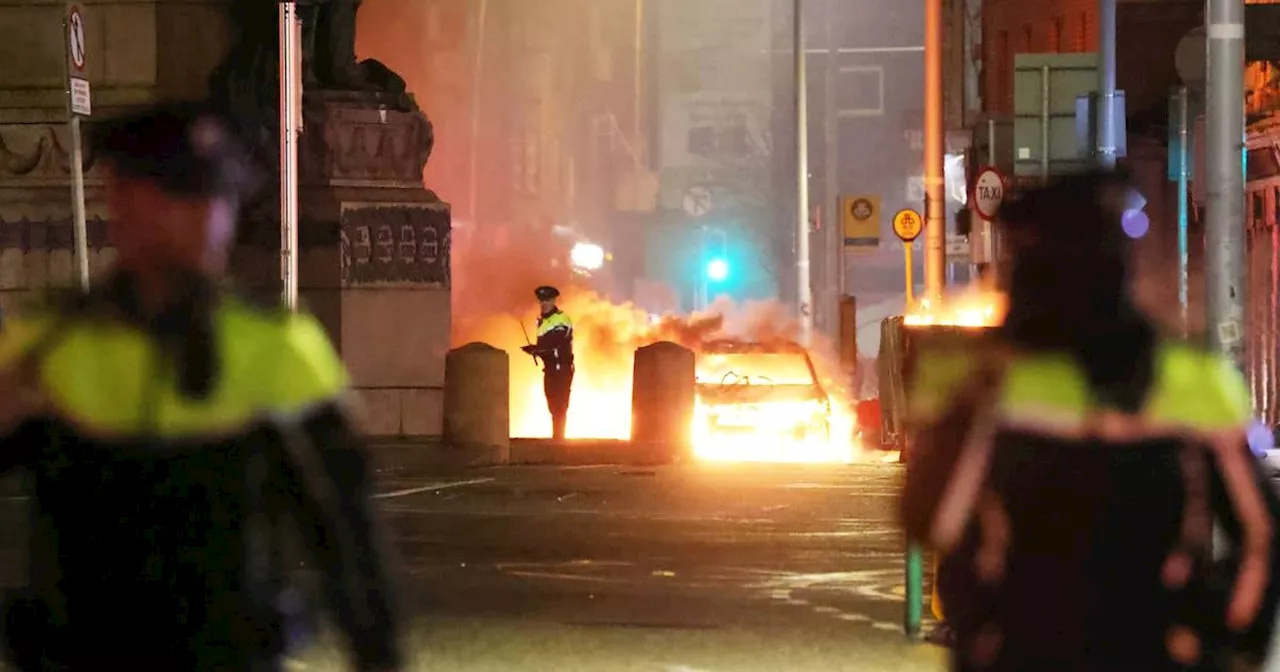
(172, 430)
(1070, 470)
(555, 348)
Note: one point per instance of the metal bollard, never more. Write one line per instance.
(912, 614)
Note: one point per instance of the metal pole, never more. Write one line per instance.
(991, 142)
(804, 279)
(1106, 148)
(472, 186)
(992, 233)
(637, 112)
(1224, 136)
(1183, 154)
(1045, 118)
(290, 118)
(913, 614)
(77, 203)
(78, 226)
(935, 208)
(833, 237)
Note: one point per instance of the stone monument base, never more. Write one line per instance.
(374, 255)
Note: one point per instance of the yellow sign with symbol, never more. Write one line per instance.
(907, 224)
(860, 222)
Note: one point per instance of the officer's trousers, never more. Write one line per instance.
(556, 385)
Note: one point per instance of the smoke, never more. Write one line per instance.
(494, 279)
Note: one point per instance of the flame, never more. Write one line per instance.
(606, 336)
(975, 307)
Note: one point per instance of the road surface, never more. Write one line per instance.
(690, 568)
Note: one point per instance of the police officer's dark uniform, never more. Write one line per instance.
(555, 349)
(169, 453)
(1070, 470)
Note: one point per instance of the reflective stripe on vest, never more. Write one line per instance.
(1193, 391)
(110, 379)
(554, 321)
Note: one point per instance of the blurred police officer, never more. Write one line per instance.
(171, 430)
(1071, 469)
(555, 348)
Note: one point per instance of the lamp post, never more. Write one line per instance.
(290, 128)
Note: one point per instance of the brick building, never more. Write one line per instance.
(1148, 33)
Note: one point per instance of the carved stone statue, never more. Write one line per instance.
(329, 46)
(329, 55)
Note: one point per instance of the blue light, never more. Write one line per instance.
(1135, 223)
(717, 270)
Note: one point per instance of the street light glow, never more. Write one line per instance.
(587, 256)
(718, 270)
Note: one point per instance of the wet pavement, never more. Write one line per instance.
(715, 568)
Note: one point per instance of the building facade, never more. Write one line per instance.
(1150, 34)
(538, 129)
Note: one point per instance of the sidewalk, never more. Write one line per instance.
(395, 458)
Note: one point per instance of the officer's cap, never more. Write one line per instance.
(187, 148)
(546, 293)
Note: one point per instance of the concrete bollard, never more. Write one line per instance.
(662, 397)
(477, 400)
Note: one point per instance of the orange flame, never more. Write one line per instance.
(974, 307)
(606, 336)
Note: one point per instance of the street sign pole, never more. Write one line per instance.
(804, 281)
(1183, 154)
(78, 103)
(1224, 139)
(935, 207)
(290, 126)
(832, 235)
(1107, 145)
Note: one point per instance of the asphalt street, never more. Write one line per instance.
(693, 568)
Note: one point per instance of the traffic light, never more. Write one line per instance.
(717, 270)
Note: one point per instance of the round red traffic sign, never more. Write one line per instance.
(988, 193)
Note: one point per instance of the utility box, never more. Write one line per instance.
(1047, 90)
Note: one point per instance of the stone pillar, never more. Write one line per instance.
(477, 401)
(662, 399)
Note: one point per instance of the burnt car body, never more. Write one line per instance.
(761, 388)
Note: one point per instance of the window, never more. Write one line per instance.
(1055, 35)
(861, 91)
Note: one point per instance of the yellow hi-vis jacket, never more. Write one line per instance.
(167, 463)
(1079, 533)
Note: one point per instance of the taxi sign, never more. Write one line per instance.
(907, 224)
(988, 193)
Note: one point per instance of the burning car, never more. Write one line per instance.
(767, 395)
